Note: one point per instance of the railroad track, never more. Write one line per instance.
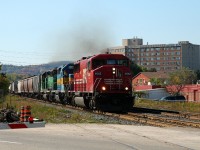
(160, 118)
(163, 121)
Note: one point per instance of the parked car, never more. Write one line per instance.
(173, 98)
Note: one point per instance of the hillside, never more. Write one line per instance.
(31, 69)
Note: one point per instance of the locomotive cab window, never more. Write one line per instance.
(123, 62)
(89, 66)
(117, 62)
(111, 62)
(59, 70)
(71, 67)
(98, 63)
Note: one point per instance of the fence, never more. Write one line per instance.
(154, 94)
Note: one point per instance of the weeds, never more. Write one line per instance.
(193, 107)
(43, 111)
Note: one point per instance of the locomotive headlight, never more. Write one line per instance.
(126, 88)
(103, 88)
(113, 69)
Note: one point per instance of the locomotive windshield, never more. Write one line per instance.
(99, 62)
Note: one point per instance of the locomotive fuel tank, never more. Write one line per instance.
(79, 101)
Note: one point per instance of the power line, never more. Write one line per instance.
(16, 62)
(21, 57)
(37, 52)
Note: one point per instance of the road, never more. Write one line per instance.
(98, 137)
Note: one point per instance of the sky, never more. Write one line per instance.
(41, 31)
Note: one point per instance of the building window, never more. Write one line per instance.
(157, 68)
(157, 48)
(141, 81)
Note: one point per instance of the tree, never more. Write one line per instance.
(198, 74)
(158, 81)
(4, 82)
(135, 68)
(178, 79)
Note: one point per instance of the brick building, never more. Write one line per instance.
(190, 92)
(145, 78)
(162, 57)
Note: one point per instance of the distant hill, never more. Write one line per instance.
(31, 69)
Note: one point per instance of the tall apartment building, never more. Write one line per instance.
(163, 57)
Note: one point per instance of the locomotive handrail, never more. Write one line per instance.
(97, 80)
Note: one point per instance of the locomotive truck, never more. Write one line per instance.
(100, 82)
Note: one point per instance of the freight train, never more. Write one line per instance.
(101, 82)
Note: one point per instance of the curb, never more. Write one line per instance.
(18, 125)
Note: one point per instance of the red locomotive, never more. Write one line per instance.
(102, 82)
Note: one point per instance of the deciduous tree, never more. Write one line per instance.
(178, 79)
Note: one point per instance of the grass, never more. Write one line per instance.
(49, 114)
(61, 115)
(192, 107)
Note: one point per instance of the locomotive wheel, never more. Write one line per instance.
(92, 104)
(51, 98)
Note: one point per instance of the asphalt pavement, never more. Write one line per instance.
(98, 137)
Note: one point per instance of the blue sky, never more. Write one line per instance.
(41, 31)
